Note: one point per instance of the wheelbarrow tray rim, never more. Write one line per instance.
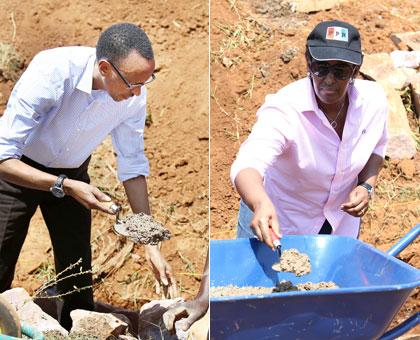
(332, 291)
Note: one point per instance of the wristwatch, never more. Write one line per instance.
(368, 187)
(57, 188)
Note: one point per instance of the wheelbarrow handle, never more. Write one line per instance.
(405, 241)
(27, 330)
(402, 328)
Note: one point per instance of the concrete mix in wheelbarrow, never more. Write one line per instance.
(282, 286)
(142, 228)
(294, 262)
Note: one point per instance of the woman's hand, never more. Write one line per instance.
(358, 202)
(265, 217)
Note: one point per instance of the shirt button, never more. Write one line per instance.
(67, 149)
(78, 130)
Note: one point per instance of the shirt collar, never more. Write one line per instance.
(85, 82)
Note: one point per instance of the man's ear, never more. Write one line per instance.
(104, 67)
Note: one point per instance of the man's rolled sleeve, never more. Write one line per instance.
(266, 141)
(128, 141)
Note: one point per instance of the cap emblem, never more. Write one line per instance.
(337, 33)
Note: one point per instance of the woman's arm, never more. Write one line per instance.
(358, 202)
(249, 184)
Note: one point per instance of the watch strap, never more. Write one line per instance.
(367, 186)
(59, 181)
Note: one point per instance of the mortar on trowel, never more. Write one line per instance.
(292, 261)
(139, 228)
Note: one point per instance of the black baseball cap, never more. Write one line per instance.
(335, 40)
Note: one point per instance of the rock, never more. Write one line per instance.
(289, 54)
(227, 62)
(31, 313)
(200, 328)
(407, 41)
(129, 316)
(406, 58)
(380, 67)
(401, 144)
(307, 6)
(162, 303)
(9, 320)
(151, 325)
(98, 325)
(409, 337)
(415, 92)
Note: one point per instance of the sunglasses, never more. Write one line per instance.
(340, 71)
(127, 83)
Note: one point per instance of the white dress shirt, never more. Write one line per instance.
(55, 118)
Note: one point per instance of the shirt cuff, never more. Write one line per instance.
(129, 168)
(8, 151)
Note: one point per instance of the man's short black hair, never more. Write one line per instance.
(117, 41)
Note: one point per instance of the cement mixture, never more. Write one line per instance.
(142, 228)
(294, 262)
(72, 336)
(282, 286)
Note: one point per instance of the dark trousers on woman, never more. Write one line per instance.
(68, 223)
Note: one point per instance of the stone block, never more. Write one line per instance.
(97, 325)
(415, 93)
(308, 6)
(151, 325)
(380, 67)
(31, 313)
(406, 58)
(407, 41)
(401, 144)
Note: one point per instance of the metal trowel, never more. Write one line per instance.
(118, 226)
(276, 243)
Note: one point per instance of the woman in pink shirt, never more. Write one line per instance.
(311, 162)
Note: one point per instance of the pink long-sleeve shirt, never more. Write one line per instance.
(308, 171)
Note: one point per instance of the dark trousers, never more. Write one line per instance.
(326, 228)
(69, 226)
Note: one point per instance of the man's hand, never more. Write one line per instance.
(358, 202)
(265, 217)
(162, 271)
(189, 312)
(87, 195)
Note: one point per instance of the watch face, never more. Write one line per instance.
(57, 192)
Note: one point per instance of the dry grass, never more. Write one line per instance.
(246, 33)
(11, 63)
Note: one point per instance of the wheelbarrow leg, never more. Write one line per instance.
(401, 329)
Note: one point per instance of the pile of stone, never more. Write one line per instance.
(394, 72)
(110, 324)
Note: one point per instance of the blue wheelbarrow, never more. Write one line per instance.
(373, 287)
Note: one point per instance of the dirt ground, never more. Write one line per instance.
(257, 47)
(176, 140)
